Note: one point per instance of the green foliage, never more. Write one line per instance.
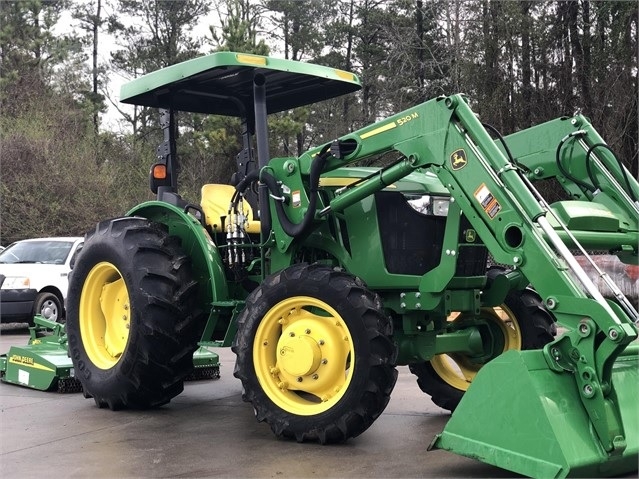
(301, 27)
(29, 50)
(240, 25)
(156, 34)
(92, 20)
(57, 177)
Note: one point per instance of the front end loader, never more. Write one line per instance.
(323, 276)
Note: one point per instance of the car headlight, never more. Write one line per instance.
(16, 282)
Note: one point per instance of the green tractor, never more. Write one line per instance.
(324, 277)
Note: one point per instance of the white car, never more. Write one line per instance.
(34, 276)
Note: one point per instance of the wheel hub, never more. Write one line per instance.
(299, 355)
(48, 312)
(303, 355)
(499, 333)
(105, 316)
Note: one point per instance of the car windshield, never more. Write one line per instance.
(48, 252)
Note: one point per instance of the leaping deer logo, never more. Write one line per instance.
(458, 159)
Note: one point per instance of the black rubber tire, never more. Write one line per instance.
(48, 301)
(374, 374)
(537, 328)
(165, 319)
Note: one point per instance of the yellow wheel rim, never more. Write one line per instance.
(457, 369)
(303, 355)
(105, 315)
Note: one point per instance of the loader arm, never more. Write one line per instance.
(519, 228)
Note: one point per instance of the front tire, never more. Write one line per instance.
(133, 321)
(524, 323)
(315, 355)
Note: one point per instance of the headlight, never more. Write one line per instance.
(16, 282)
(430, 205)
(440, 206)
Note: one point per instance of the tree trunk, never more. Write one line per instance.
(572, 13)
(565, 85)
(349, 53)
(94, 72)
(526, 89)
(419, 21)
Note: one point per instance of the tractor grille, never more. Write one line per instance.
(472, 258)
(472, 261)
(412, 242)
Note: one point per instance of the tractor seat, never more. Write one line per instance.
(215, 204)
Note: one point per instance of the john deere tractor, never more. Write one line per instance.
(324, 277)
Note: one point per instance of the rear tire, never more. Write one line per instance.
(528, 326)
(315, 355)
(133, 320)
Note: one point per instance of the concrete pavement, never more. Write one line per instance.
(207, 431)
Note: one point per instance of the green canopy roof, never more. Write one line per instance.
(222, 84)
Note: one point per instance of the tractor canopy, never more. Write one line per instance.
(222, 84)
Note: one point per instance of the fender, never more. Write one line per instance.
(196, 243)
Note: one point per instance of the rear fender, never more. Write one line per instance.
(196, 243)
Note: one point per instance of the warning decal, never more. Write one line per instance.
(297, 198)
(487, 201)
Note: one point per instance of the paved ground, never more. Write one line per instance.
(208, 431)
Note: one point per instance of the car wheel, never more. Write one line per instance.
(49, 306)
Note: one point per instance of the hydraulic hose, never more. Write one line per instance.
(292, 229)
(244, 183)
(506, 149)
(564, 172)
(297, 229)
(592, 177)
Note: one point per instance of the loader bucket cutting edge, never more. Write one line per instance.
(535, 424)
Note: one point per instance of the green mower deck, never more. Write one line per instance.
(44, 363)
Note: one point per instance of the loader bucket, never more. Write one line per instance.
(522, 416)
